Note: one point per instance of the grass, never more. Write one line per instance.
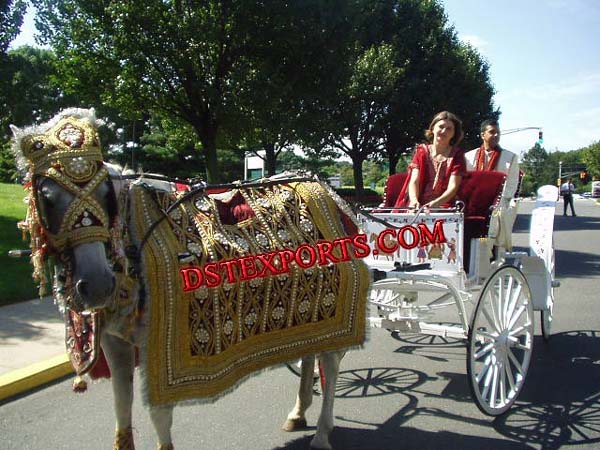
(16, 283)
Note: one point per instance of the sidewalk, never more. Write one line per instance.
(32, 346)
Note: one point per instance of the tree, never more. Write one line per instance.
(590, 156)
(29, 93)
(192, 61)
(294, 77)
(11, 19)
(439, 73)
(533, 164)
(354, 121)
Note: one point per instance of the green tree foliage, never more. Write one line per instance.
(590, 156)
(408, 64)
(534, 165)
(11, 19)
(197, 62)
(438, 72)
(29, 93)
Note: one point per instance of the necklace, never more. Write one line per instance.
(437, 165)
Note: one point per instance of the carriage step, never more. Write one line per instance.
(408, 325)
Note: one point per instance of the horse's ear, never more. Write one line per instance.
(14, 129)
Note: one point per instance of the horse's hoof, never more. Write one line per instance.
(124, 440)
(294, 425)
(165, 447)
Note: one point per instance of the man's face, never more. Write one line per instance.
(491, 136)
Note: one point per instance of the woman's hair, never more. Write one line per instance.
(446, 115)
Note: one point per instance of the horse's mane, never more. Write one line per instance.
(19, 134)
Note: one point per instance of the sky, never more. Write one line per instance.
(544, 65)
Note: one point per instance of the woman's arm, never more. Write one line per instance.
(413, 189)
(449, 193)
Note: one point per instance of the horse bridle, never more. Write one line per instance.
(85, 220)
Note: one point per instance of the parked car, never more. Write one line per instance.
(595, 189)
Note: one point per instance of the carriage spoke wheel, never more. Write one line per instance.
(500, 341)
(547, 314)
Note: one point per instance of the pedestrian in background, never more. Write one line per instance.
(566, 190)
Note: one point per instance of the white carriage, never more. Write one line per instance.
(420, 264)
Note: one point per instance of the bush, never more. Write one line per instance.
(370, 197)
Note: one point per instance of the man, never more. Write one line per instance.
(490, 156)
(566, 190)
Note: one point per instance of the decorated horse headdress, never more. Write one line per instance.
(66, 150)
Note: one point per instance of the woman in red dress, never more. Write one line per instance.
(437, 167)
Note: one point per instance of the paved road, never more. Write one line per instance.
(405, 392)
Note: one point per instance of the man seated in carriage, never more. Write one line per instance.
(437, 167)
(491, 157)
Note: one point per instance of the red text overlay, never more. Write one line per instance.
(305, 256)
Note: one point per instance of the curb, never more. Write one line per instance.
(30, 377)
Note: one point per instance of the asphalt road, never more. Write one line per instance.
(399, 392)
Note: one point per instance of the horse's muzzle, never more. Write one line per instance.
(95, 295)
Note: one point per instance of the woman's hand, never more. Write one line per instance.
(414, 204)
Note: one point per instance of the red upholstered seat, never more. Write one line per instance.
(393, 186)
(480, 191)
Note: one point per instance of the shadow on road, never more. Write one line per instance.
(559, 406)
(561, 223)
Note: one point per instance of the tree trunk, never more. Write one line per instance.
(212, 164)
(208, 138)
(393, 158)
(358, 178)
(270, 159)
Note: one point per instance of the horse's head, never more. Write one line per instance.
(72, 204)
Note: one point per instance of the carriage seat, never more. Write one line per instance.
(481, 193)
(393, 186)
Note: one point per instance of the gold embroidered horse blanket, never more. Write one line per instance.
(242, 280)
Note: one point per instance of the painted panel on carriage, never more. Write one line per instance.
(434, 238)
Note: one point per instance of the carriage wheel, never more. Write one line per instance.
(547, 314)
(500, 341)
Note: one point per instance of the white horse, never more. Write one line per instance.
(85, 273)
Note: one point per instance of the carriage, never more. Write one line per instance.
(425, 262)
(136, 263)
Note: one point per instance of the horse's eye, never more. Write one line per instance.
(47, 197)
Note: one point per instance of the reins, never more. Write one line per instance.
(200, 187)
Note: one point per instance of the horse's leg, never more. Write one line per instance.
(296, 419)
(120, 356)
(162, 418)
(330, 364)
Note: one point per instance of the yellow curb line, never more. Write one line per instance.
(21, 380)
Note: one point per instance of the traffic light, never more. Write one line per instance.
(583, 176)
(541, 137)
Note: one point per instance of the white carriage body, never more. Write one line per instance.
(418, 268)
(439, 239)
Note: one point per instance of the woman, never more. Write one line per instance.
(437, 167)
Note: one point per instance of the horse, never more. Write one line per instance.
(79, 219)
